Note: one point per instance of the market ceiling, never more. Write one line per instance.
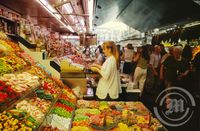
(77, 19)
(144, 15)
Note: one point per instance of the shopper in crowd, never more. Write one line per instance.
(172, 66)
(170, 53)
(163, 51)
(128, 57)
(121, 59)
(99, 55)
(142, 59)
(184, 77)
(154, 63)
(109, 85)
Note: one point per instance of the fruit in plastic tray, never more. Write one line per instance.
(33, 110)
(5, 68)
(49, 128)
(69, 94)
(7, 94)
(131, 116)
(14, 120)
(13, 45)
(97, 120)
(123, 127)
(50, 87)
(66, 97)
(14, 61)
(68, 103)
(21, 82)
(26, 57)
(61, 123)
(3, 35)
(83, 111)
(42, 104)
(81, 118)
(5, 47)
(80, 128)
(35, 70)
(61, 112)
(67, 108)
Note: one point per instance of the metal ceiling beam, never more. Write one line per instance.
(62, 3)
(62, 16)
(124, 8)
(84, 15)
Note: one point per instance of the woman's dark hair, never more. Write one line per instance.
(129, 46)
(163, 51)
(145, 52)
(187, 52)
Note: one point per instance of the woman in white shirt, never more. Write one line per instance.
(109, 85)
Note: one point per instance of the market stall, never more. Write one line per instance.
(113, 116)
(28, 92)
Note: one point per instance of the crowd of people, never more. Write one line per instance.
(154, 69)
(150, 67)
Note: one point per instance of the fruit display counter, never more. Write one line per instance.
(28, 94)
(113, 116)
(60, 117)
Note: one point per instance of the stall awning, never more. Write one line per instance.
(145, 14)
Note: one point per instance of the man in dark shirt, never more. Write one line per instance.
(172, 67)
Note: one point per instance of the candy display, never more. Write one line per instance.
(5, 47)
(42, 104)
(117, 116)
(3, 36)
(21, 82)
(43, 95)
(15, 62)
(57, 122)
(17, 120)
(68, 95)
(33, 110)
(28, 92)
(13, 45)
(62, 112)
(4, 68)
(80, 128)
(50, 87)
(35, 70)
(7, 95)
(49, 128)
(8, 122)
(26, 58)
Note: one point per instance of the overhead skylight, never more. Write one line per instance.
(115, 25)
